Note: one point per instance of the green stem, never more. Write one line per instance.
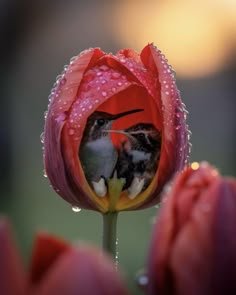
(109, 233)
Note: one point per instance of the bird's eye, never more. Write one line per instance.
(141, 136)
(100, 122)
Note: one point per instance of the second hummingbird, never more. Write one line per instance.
(138, 157)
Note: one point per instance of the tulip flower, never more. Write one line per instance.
(193, 250)
(135, 91)
(57, 268)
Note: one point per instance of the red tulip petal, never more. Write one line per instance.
(82, 271)
(175, 145)
(12, 273)
(62, 98)
(47, 250)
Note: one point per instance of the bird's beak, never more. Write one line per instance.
(120, 132)
(117, 116)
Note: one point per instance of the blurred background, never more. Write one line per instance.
(39, 37)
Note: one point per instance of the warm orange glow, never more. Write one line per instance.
(196, 36)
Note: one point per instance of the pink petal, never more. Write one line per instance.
(47, 250)
(12, 273)
(82, 271)
(175, 145)
(62, 98)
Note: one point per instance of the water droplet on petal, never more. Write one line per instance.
(45, 114)
(63, 81)
(42, 137)
(104, 93)
(71, 131)
(142, 280)
(73, 58)
(76, 209)
(61, 117)
(104, 68)
(45, 173)
(115, 75)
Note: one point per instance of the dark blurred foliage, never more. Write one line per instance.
(37, 39)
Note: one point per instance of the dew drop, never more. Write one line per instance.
(142, 280)
(104, 93)
(73, 58)
(115, 75)
(76, 209)
(158, 206)
(63, 81)
(61, 116)
(119, 83)
(45, 173)
(42, 137)
(57, 78)
(103, 81)
(177, 127)
(71, 131)
(99, 74)
(178, 115)
(104, 68)
(123, 60)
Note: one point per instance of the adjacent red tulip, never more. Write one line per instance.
(57, 269)
(193, 250)
(96, 81)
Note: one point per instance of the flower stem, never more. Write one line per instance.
(109, 233)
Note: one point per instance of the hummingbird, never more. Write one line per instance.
(97, 153)
(138, 157)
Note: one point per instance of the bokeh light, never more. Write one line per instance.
(196, 37)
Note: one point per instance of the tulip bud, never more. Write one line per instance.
(83, 151)
(193, 249)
